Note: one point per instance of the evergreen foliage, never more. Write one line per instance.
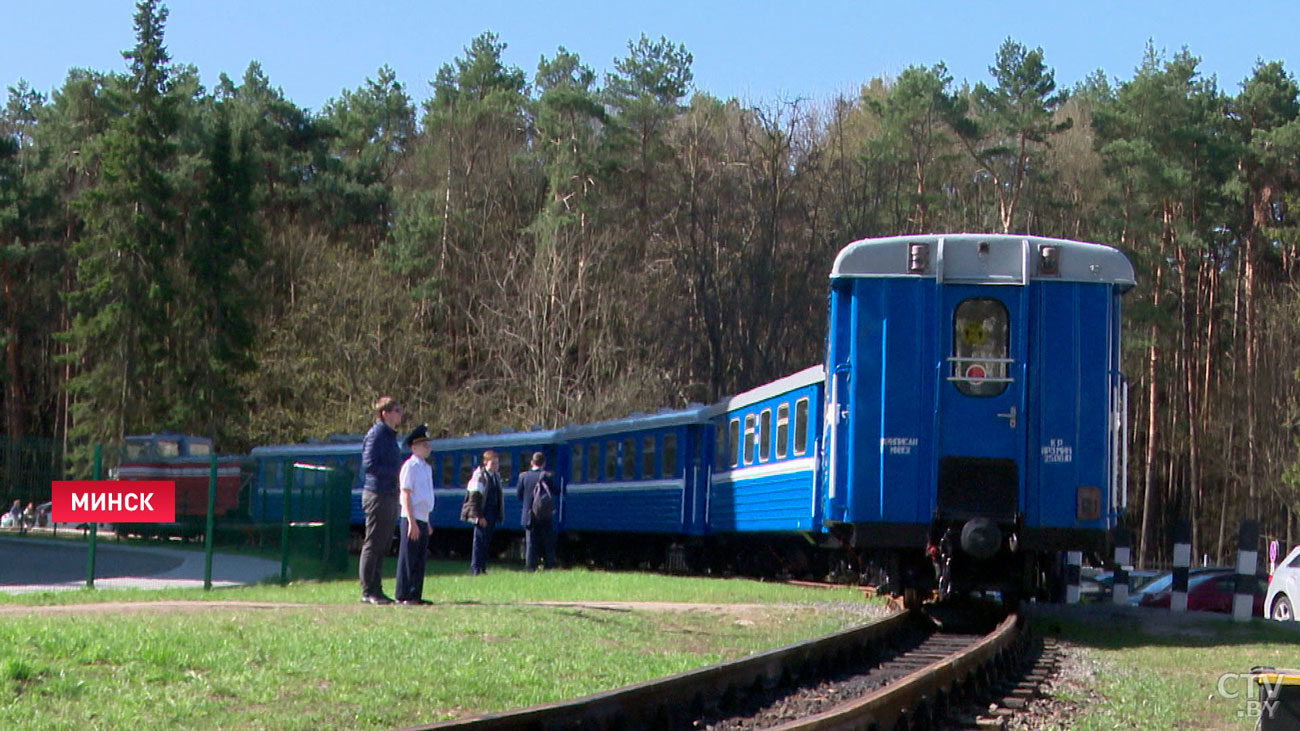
(573, 245)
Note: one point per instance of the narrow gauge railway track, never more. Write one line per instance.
(901, 672)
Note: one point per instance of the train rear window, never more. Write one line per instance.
(981, 344)
(168, 448)
(200, 449)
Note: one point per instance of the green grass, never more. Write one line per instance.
(449, 581)
(1170, 678)
(347, 665)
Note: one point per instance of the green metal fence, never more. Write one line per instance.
(305, 539)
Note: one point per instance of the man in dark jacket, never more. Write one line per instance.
(539, 532)
(381, 462)
(485, 506)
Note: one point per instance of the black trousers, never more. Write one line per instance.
(479, 550)
(411, 559)
(381, 517)
(540, 542)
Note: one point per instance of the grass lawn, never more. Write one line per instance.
(1152, 674)
(335, 663)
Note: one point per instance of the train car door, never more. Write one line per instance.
(981, 420)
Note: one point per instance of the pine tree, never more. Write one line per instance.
(121, 330)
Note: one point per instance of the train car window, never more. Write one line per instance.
(448, 470)
(801, 427)
(648, 455)
(169, 448)
(981, 343)
(628, 459)
(505, 467)
(611, 460)
(137, 450)
(765, 436)
(751, 436)
(733, 443)
(782, 430)
(670, 455)
(578, 463)
(593, 462)
(200, 449)
(467, 464)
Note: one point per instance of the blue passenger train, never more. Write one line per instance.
(967, 425)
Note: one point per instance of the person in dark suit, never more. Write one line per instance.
(380, 463)
(539, 532)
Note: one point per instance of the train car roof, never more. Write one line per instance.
(500, 439)
(636, 422)
(805, 377)
(283, 450)
(1008, 258)
(474, 441)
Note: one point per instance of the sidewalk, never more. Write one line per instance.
(35, 564)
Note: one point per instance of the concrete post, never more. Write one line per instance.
(1123, 557)
(1182, 564)
(1073, 564)
(1243, 598)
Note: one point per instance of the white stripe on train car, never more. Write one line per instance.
(773, 469)
(588, 488)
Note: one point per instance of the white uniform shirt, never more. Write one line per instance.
(417, 477)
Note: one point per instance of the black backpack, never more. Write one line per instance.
(543, 501)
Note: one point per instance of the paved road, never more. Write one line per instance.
(34, 564)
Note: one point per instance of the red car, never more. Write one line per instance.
(1210, 591)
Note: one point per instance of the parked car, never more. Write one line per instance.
(1207, 591)
(1101, 586)
(1284, 588)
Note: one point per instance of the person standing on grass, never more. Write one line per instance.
(484, 507)
(416, 495)
(539, 531)
(380, 463)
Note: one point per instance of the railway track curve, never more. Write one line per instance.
(905, 671)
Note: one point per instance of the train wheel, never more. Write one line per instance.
(912, 599)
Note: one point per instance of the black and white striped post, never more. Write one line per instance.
(1243, 598)
(1073, 569)
(1182, 565)
(1123, 557)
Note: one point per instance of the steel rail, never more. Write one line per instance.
(927, 688)
(660, 702)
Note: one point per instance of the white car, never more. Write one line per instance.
(1284, 589)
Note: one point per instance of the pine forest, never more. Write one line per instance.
(569, 243)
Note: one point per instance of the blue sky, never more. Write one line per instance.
(756, 51)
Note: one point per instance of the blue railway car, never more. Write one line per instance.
(765, 468)
(269, 464)
(974, 402)
(967, 425)
(635, 485)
